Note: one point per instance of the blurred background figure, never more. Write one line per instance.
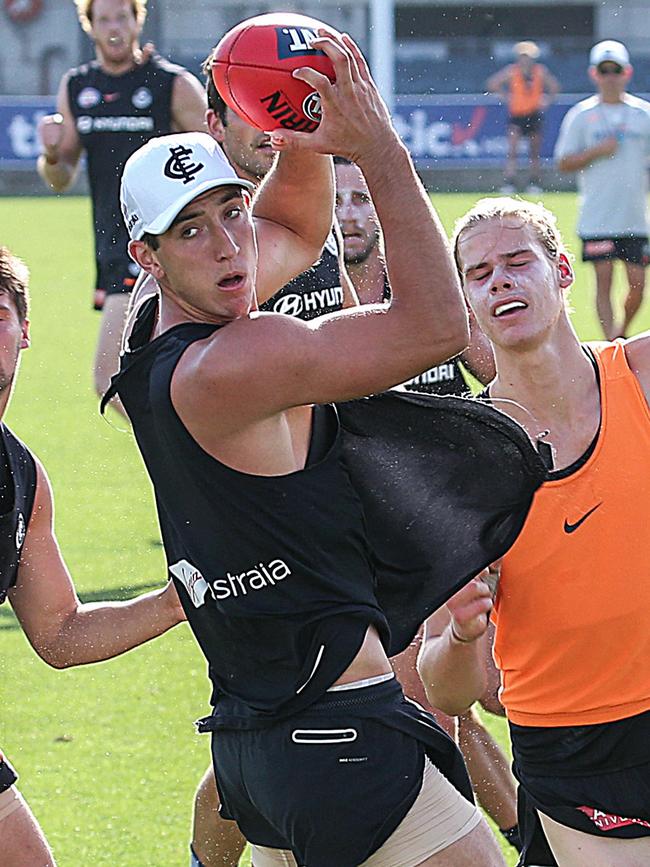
(605, 140)
(528, 88)
(108, 108)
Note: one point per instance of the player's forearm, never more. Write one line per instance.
(57, 175)
(575, 162)
(426, 295)
(298, 193)
(98, 631)
(453, 672)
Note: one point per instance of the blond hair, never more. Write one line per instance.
(85, 12)
(533, 214)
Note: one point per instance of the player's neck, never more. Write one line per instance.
(120, 67)
(613, 98)
(546, 378)
(368, 278)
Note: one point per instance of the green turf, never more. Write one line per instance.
(107, 754)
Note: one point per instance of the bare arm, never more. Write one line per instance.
(478, 358)
(188, 104)
(63, 631)
(452, 659)
(352, 353)
(60, 144)
(637, 352)
(293, 211)
(551, 86)
(498, 83)
(581, 159)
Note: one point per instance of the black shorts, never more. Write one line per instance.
(528, 124)
(633, 248)
(333, 782)
(593, 778)
(7, 774)
(114, 277)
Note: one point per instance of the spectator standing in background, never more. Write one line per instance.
(528, 88)
(605, 140)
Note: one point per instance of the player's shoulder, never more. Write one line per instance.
(635, 102)
(637, 355)
(83, 71)
(162, 64)
(582, 109)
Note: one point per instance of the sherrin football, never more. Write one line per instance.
(253, 65)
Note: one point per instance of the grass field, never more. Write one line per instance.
(107, 754)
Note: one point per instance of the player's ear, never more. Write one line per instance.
(24, 330)
(593, 74)
(146, 258)
(215, 125)
(566, 271)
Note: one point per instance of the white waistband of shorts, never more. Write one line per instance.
(359, 684)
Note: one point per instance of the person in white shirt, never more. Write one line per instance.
(605, 140)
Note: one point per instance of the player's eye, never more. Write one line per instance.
(189, 232)
(234, 212)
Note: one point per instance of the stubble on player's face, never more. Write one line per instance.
(115, 29)
(356, 215)
(248, 149)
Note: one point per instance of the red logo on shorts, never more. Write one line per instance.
(600, 247)
(609, 821)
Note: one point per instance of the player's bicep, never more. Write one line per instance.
(282, 256)
(43, 596)
(188, 104)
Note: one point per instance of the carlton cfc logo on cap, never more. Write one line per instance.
(179, 166)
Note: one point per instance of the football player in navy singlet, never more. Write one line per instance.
(107, 109)
(274, 572)
(323, 288)
(35, 579)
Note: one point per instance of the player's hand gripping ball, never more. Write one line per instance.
(253, 65)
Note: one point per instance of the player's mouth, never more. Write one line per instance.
(264, 144)
(231, 282)
(505, 309)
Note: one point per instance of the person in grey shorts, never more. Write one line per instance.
(605, 141)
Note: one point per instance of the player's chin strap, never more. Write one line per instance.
(543, 448)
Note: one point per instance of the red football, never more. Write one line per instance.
(253, 65)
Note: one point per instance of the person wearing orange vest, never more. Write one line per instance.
(527, 87)
(572, 600)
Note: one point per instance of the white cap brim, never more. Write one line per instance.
(163, 221)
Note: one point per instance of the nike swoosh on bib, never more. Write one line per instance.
(571, 528)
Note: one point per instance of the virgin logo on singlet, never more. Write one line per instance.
(260, 577)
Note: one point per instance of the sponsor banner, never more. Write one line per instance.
(19, 118)
(441, 132)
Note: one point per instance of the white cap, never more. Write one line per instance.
(610, 50)
(167, 173)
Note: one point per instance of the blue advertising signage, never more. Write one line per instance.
(444, 131)
(19, 118)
